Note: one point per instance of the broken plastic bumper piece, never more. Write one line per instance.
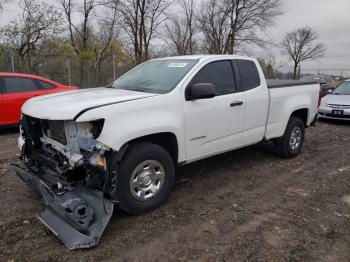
(77, 216)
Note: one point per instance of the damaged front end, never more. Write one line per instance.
(67, 166)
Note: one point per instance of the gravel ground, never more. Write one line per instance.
(247, 205)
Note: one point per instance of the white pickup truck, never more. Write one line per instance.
(88, 150)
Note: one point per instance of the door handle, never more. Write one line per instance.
(236, 103)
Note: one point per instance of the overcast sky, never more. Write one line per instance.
(330, 18)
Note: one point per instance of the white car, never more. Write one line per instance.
(88, 150)
(336, 105)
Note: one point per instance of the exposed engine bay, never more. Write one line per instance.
(67, 166)
(67, 148)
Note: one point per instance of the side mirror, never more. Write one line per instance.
(329, 91)
(200, 91)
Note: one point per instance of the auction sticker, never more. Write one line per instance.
(180, 65)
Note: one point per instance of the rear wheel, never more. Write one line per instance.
(291, 143)
(145, 178)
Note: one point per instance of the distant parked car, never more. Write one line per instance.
(337, 104)
(326, 82)
(15, 89)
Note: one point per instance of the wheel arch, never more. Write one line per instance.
(167, 140)
(302, 113)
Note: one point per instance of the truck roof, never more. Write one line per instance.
(204, 57)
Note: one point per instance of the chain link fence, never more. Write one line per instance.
(88, 73)
(337, 74)
(67, 71)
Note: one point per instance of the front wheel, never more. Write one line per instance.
(291, 143)
(145, 178)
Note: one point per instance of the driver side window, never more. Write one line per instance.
(220, 74)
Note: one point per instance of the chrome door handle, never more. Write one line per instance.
(236, 103)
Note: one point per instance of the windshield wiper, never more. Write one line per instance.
(144, 90)
(137, 89)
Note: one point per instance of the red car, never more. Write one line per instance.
(15, 89)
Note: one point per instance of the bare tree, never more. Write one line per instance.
(269, 66)
(188, 6)
(180, 29)
(213, 23)
(105, 36)
(2, 3)
(141, 19)
(227, 24)
(38, 21)
(300, 46)
(177, 36)
(80, 31)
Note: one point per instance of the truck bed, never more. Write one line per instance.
(288, 96)
(272, 83)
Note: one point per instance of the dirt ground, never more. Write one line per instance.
(247, 205)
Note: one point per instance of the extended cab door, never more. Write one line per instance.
(214, 125)
(257, 99)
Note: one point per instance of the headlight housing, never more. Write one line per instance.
(95, 127)
(323, 102)
(88, 132)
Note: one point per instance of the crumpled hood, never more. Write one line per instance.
(338, 99)
(67, 105)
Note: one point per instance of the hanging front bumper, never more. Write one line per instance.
(76, 215)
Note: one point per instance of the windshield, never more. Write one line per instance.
(155, 76)
(342, 89)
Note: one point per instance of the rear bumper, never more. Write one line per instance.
(76, 215)
(327, 113)
(329, 116)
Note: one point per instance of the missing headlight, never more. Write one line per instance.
(95, 127)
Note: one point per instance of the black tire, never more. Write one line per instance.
(282, 145)
(135, 155)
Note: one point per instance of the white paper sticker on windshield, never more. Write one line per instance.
(177, 65)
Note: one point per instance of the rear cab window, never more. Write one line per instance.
(220, 74)
(249, 74)
(19, 85)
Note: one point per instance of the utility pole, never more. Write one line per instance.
(113, 61)
(68, 65)
(12, 62)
